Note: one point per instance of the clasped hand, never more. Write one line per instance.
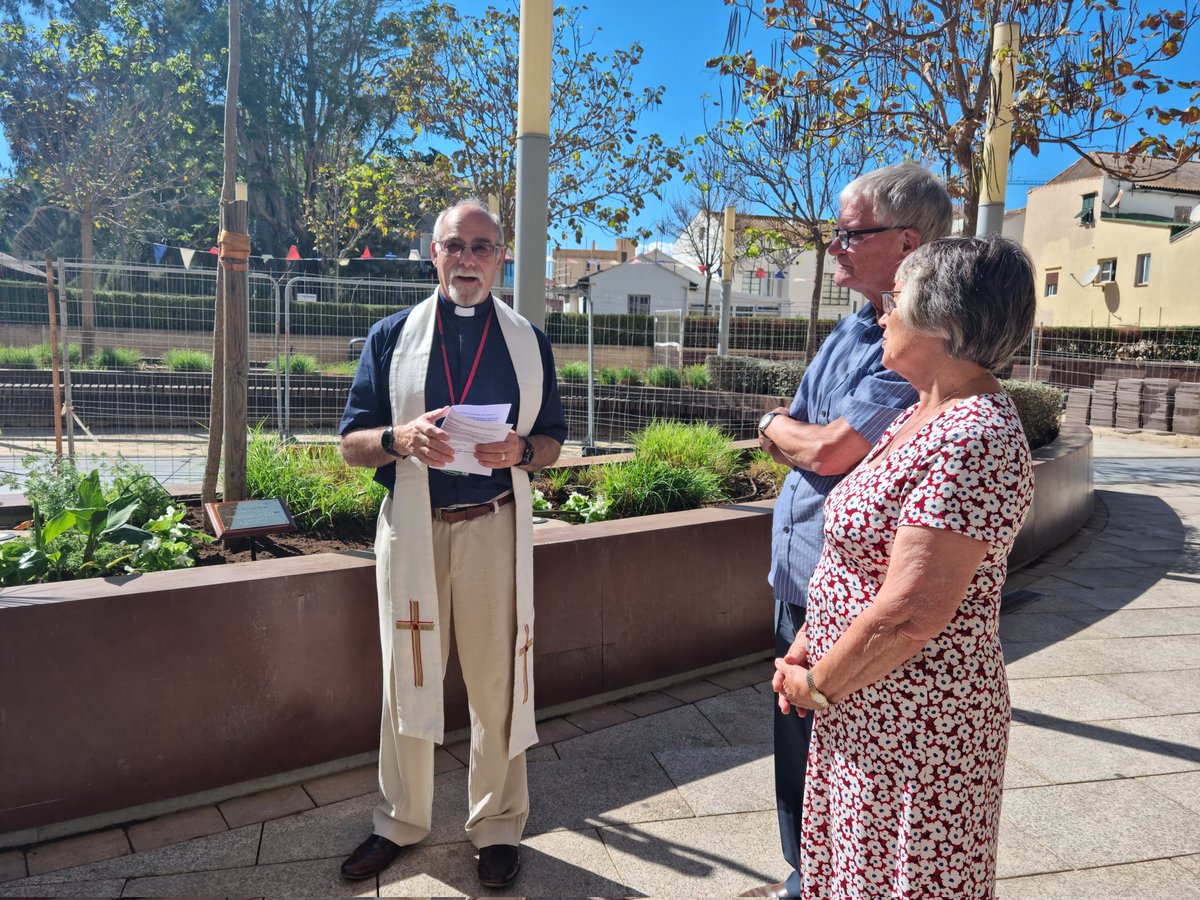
(431, 445)
(790, 681)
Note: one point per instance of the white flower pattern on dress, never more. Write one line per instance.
(902, 797)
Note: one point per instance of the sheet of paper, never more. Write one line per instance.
(469, 425)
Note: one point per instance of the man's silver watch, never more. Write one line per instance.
(818, 698)
(766, 421)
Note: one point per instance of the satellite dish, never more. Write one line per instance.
(1089, 276)
(1194, 215)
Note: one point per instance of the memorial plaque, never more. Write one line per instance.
(248, 518)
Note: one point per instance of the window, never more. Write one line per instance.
(832, 294)
(1142, 273)
(1087, 214)
(1183, 213)
(639, 304)
(1051, 285)
(1108, 270)
(755, 281)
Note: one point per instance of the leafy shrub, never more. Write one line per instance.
(116, 358)
(187, 361)
(584, 508)
(573, 372)
(17, 358)
(750, 375)
(1040, 408)
(320, 490)
(296, 364)
(697, 446)
(625, 375)
(696, 377)
(128, 479)
(49, 482)
(664, 377)
(644, 487)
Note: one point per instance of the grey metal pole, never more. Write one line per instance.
(533, 159)
(591, 380)
(997, 141)
(66, 358)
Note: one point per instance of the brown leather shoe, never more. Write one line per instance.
(767, 890)
(370, 858)
(498, 865)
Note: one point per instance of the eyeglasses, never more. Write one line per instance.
(887, 299)
(843, 236)
(479, 249)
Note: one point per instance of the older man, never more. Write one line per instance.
(454, 545)
(845, 402)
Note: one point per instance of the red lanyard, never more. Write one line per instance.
(474, 365)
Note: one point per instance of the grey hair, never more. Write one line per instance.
(473, 203)
(905, 195)
(978, 293)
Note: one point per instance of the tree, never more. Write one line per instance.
(917, 73)
(463, 89)
(99, 123)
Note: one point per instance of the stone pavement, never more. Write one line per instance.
(670, 793)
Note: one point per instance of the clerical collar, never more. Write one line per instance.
(464, 311)
(467, 312)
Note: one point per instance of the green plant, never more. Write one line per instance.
(130, 479)
(320, 490)
(50, 483)
(539, 500)
(664, 377)
(573, 372)
(647, 486)
(1040, 408)
(169, 544)
(18, 358)
(187, 361)
(557, 479)
(626, 375)
(583, 508)
(115, 358)
(696, 377)
(761, 467)
(345, 367)
(696, 445)
(296, 364)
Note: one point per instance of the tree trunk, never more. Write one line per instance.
(707, 287)
(814, 309)
(87, 231)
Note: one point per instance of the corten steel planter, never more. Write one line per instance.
(119, 693)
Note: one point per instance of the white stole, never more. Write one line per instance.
(404, 543)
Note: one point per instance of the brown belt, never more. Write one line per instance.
(452, 514)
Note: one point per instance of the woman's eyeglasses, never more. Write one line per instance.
(887, 299)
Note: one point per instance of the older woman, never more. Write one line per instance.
(901, 656)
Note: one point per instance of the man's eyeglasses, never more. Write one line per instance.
(887, 299)
(479, 249)
(843, 236)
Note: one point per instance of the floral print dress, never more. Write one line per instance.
(904, 776)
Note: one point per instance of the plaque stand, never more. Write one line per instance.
(249, 519)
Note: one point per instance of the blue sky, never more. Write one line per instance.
(678, 37)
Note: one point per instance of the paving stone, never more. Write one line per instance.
(311, 878)
(648, 704)
(743, 717)
(1161, 692)
(598, 717)
(674, 729)
(77, 851)
(344, 785)
(1020, 854)
(717, 856)
(1091, 751)
(1018, 774)
(1103, 823)
(459, 750)
(225, 850)
(691, 691)
(1158, 880)
(720, 780)
(1076, 699)
(627, 790)
(1136, 579)
(327, 831)
(1150, 654)
(1178, 736)
(1182, 787)
(266, 805)
(733, 679)
(1030, 659)
(1104, 559)
(176, 828)
(537, 753)
(12, 865)
(1191, 863)
(108, 888)
(557, 729)
(1044, 629)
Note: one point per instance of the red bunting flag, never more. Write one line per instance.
(760, 273)
(215, 251)
(293, 253)
(366, 254)
(703, 269)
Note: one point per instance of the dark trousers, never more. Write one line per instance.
(792, 734)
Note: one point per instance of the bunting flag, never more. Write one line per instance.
(160, 250)
(366, 254)
(390, 255)
(779, 275)
(215, 250)
(187, 254)
(293, 254)
(760, 273)
(703, 268)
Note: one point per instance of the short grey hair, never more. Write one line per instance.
(905, 195)
(979, 293)
(473, 203)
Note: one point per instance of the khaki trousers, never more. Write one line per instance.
(476, 584)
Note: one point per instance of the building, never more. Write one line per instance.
(646, 284)
(1115, 251)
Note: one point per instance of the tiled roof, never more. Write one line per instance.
(1163, 174)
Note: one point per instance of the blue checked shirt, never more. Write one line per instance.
(846, 380)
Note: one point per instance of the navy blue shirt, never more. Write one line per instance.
(846, 380)
(369, 404)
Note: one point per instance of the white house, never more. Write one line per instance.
(645, 284)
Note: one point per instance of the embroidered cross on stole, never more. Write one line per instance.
(523, 652)
(414, 625)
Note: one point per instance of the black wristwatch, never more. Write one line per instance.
(387, 441)
(527, 453)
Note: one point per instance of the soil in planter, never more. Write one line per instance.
(278, 546)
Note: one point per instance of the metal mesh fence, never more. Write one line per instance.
(135, 382)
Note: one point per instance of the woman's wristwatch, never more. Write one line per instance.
(818, 698)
